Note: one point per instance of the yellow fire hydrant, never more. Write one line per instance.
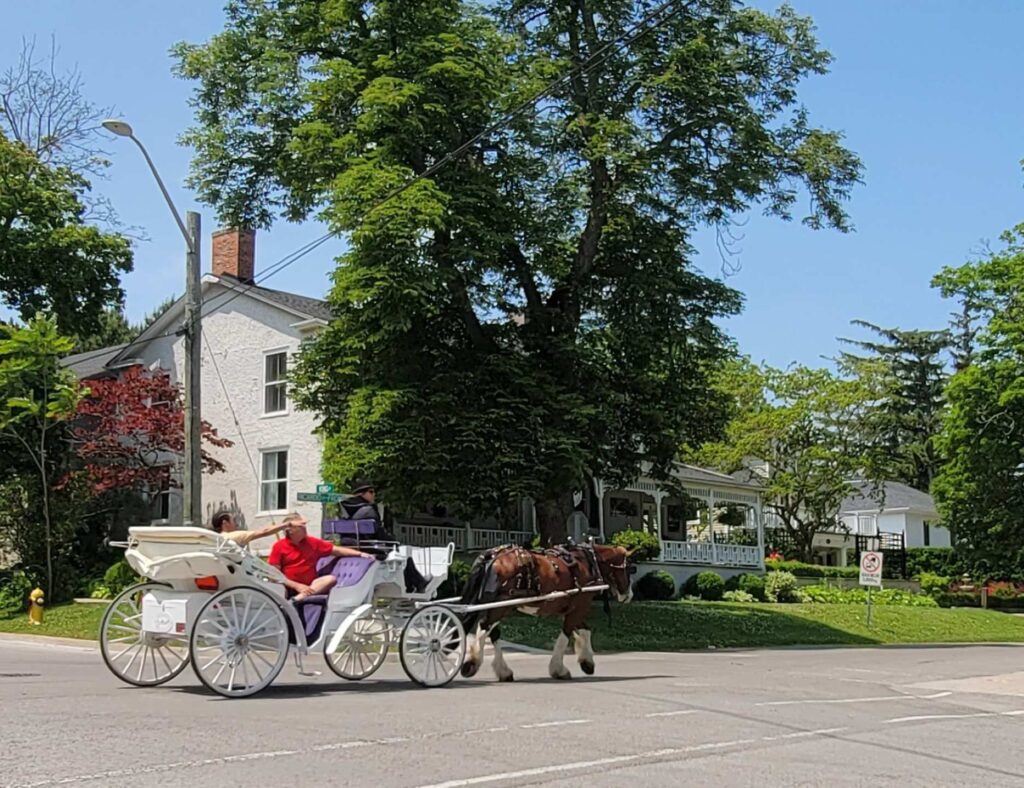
(36, 601)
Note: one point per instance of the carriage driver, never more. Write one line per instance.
(362, 505)
(296, 555)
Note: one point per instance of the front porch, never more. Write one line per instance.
(709, 519)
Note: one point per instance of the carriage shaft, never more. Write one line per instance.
(528, 600)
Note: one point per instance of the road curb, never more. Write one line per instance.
(19, 638)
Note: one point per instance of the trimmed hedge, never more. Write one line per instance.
(710, 586)
(800, 569)
(656, 586)
(781, 587)
(935, 560)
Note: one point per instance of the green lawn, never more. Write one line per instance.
(62, 621)
(673, 626)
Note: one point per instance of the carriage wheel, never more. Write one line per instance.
(433, 646)
(363, 649)
(144, 659)
(239, 642)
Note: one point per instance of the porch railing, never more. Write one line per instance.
(711, 554)
(464, 539)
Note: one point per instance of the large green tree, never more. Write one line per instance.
(51, 258)
(899, 431)
(529, 313)
(801, 427)
(980, 489)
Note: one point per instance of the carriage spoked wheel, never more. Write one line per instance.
(144, 659)
(432, 646)
(363, 648)
(239, 642)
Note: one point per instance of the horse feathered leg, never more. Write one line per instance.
(584, 651)
(474, 653)
(501, 668)
(557, 667)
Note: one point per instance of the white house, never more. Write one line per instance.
(895, 509)
(250, 337)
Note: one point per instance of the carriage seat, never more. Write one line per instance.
(349, 571)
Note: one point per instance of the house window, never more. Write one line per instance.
(275, 372)
(162, 503)
(274, 481)
(622, 507)
(675, 520)
(927, 534)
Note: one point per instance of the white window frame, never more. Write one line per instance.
(155, 505)
(263, 389)
(286, 480)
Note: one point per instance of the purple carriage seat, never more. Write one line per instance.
(349, 570)
(351, 531)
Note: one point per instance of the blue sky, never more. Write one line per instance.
(928, 93)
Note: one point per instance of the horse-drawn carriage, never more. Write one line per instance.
(211, 603)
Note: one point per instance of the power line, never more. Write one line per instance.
(234, 416)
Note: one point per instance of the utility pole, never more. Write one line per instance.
(193, 481)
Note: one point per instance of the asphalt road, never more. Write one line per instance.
(867, 717)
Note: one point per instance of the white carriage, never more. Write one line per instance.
(212, 603)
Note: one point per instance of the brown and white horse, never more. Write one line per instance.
(511, 572)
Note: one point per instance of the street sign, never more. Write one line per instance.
(321, 497)
(325, 488)
(871, 570)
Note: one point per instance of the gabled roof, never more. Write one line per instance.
(303, 307)
(894, 496)
(91, 363)
(707, 476)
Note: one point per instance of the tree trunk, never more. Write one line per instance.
(552, 518)
(46, 513)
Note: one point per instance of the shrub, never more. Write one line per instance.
(753, 585)
(859, 596)
(800, 569)
(647, 546)
(959, 599)
(655, 586)
(119, 577)
(710, 586)
(933, 584)
(452, 586)
(15, 590)
(936, 560)
(737, 596)
(690, 587)
(781, 587)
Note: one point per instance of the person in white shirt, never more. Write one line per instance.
(224, 524)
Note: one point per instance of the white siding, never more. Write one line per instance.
(938, 535)
(238, 337)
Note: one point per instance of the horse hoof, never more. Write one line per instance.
(563, 676)
(509, 677)
(587, 667)
(469, 669)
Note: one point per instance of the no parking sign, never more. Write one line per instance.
(871, 570)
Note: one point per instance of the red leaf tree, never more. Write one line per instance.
(130, 430)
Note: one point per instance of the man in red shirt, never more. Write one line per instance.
(297, 554)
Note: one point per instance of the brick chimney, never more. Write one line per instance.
(234, 253)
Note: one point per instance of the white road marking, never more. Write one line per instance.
(554, 724)
(803, 734)
(679, 713)
(927, 717)
(877, 699)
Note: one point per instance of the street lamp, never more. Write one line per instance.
(193, 510)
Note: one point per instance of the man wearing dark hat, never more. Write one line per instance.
(362, 505)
